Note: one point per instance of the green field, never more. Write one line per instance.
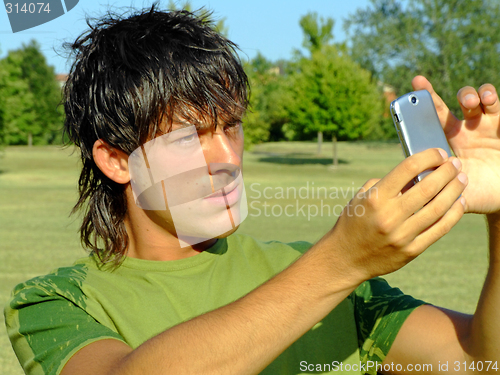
(38, 190)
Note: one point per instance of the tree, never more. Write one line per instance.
(32, 96)
(220, 25)
(266, 115)
(3, 82)
(331, 93)
(18, 112)
(317, 35)
(452, 42)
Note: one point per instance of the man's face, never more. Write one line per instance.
(189, 181)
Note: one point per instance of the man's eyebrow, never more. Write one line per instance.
(185, 124)
(182, 125)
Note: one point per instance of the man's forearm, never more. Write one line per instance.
(485, 335)
(494, 237)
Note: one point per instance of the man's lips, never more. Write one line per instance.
(227, 196)
(220, 193)
(225, 190)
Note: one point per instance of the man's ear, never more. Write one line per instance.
(112, 162)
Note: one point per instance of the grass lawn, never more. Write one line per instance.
(290, 191)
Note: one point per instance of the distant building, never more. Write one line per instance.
(274, 70)
(61, 79)
(389, 95)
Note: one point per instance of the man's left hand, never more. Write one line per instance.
(475, 141)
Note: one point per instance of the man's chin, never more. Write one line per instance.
(228, 233)
(199, 243)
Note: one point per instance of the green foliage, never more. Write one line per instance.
(454, 43)
(19, 113)
(316, 34)
(31, 97)
(3, 82)
(266, 116)
(330, 93)
(220, 25)
(324, 92)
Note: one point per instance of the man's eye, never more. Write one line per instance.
(234, 128)
(186, 140)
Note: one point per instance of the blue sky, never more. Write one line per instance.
(268, 26)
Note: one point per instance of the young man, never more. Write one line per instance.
(161, 296)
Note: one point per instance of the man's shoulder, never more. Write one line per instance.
(50, 317)
(63, 282)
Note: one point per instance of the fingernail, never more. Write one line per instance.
(486, 94)
(443, 153)
(469, 96)
(457, 163)
(462, 177)
(462, 200)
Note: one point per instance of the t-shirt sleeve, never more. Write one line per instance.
(47, 323)
(380, 312)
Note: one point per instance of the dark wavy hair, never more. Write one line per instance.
(132, 76)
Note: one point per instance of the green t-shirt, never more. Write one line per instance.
(49, 318)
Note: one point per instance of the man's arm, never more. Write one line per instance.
(248, 334)
(485, 328)
(432, 337)
(240, 338)
(450, 337)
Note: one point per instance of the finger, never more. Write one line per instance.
(430, 188)
(469, 102)
(489, 99)
(395, 181)
(365, 189)
(447, 119)
(368, 184)
(437, 207)
(437, 230)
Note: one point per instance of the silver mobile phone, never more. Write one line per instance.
(417, 124)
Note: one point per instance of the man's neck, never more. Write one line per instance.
(152, 236)
(159, 245)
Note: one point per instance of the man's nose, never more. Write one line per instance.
(222, 150)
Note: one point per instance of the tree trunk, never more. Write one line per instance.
(30, 139)
(334, 143)
(320, 142)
